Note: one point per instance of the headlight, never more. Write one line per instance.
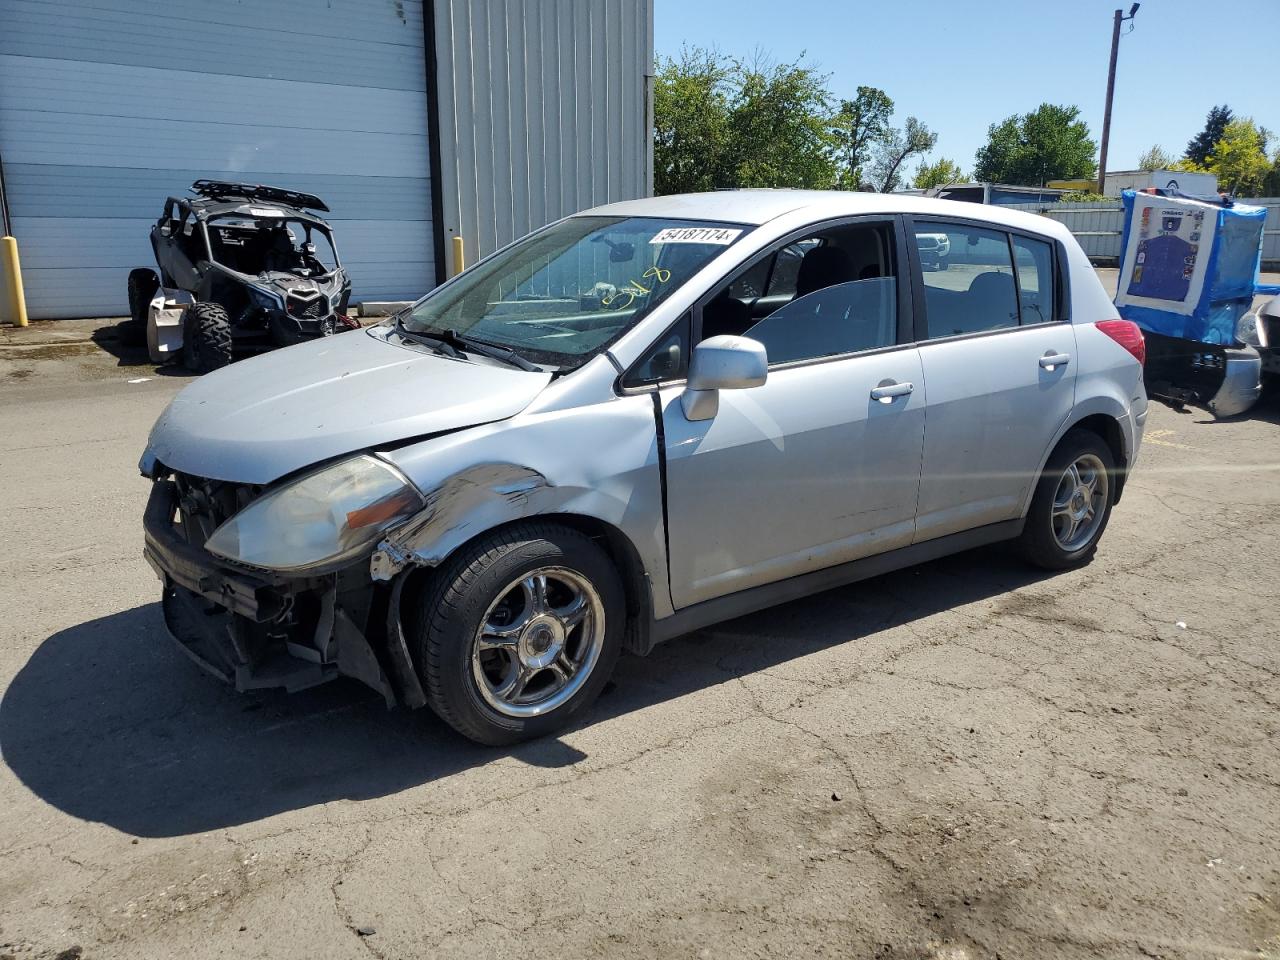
(319, 520)
(1249, 331)
(262, 298)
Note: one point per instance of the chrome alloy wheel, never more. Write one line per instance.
(1079, 502)
(538, 642)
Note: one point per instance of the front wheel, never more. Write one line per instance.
(206, 337)
(1072, 503)
(520, 632)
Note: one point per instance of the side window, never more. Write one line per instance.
(1034, 259)
(844, 288)
(786, 268)
(667, 360)
(750, 285)
(969, 283)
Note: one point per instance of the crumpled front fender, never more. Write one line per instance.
(599, 462)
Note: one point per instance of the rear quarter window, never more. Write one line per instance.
(1036, 287)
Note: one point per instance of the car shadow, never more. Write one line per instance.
(111, 339)
(1266, 410)
(109, 722)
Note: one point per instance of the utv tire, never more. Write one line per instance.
(143, 284)
(206, 339)
(519, 632)
(1072, 503)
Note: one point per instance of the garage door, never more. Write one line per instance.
(108, 107)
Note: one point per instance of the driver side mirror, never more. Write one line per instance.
(722, 363)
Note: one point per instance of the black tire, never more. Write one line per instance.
(1040, 543)
(944, 264)
(456, 600)
(143, 284)
(206, 339)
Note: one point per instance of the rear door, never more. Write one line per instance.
(998, 353)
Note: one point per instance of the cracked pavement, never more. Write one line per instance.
(1025, 765)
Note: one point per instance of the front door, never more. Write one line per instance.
(804, 472)
(821, 464)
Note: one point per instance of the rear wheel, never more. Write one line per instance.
(143, 284)
(206, 337)
(520, 632)
(1072, 503)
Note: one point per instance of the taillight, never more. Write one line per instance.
(1128, 334)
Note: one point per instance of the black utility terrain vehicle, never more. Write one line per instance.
(243, 268)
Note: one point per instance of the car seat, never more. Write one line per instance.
(725, 315)
(823, 267)
(991, 303)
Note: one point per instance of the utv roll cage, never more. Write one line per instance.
(226, 190)
(183, 217)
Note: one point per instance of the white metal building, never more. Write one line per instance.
(415, 120)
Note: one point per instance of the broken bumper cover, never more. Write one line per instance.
(258, 630)
(192, 567)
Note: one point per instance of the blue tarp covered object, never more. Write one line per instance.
(1188, 268)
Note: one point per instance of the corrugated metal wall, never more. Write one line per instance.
(1098, 226)
(108, 107)
(544, 110)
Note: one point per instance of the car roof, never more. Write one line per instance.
(761, 206)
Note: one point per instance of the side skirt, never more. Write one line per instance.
(771, 594)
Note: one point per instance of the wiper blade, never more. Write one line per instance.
(440, 343)
(486, 349)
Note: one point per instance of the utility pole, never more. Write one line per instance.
(1111, 89)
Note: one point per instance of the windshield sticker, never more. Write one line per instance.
(266, 212)
(719, 236)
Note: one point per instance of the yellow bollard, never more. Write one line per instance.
(13, 302)
(459, 256)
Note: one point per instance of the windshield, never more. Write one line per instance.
(561, 296)
(257, 246)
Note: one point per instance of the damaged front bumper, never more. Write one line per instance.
(256, 629)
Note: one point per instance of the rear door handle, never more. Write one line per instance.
(888, 390)
(1051, 360)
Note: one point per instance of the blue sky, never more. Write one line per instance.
(960, 66)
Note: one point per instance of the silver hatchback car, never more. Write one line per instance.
(638, 421)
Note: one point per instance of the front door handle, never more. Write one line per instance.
(888, 390)
(1053, 360)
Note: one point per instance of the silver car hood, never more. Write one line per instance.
(264, 417)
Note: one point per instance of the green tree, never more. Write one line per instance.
(1187, 166)
(896, 147)
(691, 95)
(1202, 143)
(856, 127)
(1271, 183)
(1239, 158)
(1050, 143)
(725, 122)
(779, 127)
(937, 174)
(1155, 159)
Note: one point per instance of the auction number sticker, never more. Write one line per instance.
(719, 236)
(266, 212)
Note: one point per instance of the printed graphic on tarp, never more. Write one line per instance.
(1166, 262)
(1188, 268)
